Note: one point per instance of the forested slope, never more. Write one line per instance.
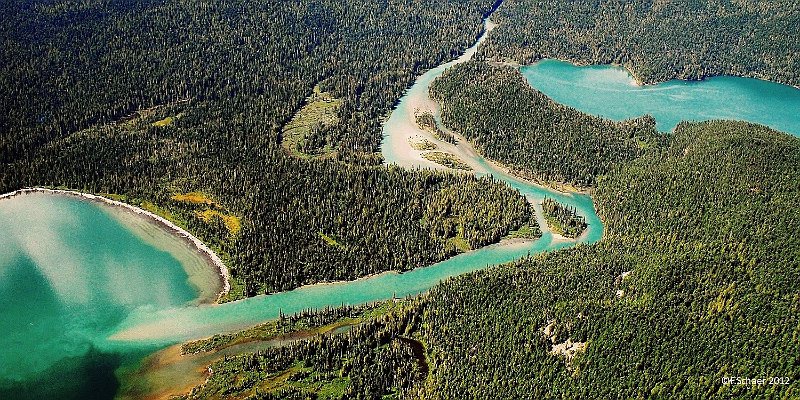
(69, 65)
(510, 122)
(154, 99)
(695, 281)
(656, 40)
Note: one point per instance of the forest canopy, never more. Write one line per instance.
(149, 100)
(508, 121)
(655, 40)
(697, 284)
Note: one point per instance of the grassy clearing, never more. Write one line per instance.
(530, 230)
(307, 380)
(281, 379)
(167, 121)
(333, 389)
(164, 122)
(320, 110)
(115, 197)
(525, 232)
(330, 240)
(211, 210)
(193, 198)
(232, 223)
(237, 287)
(446, 159)
(459, 243)
(161, 212)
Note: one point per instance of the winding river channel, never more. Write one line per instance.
(176, 324)
(143, 315)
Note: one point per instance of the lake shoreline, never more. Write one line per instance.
(209, 255)
(610, 92)
(637, 80)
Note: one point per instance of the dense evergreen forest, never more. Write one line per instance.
(154, 100)
(655, 40)
(562, 219)
(373, 360)
(695, 281)
(510, 122)
(71, 65)
(181, 107)
(301, 221)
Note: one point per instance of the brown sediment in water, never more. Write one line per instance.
(209, 255)
(170, 373)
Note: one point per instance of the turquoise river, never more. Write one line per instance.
(89, 289)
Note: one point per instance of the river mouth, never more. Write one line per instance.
(70, 270)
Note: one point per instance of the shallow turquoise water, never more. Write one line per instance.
(69, 272)
(611, 92)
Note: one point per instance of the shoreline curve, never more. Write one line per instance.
(207, 253)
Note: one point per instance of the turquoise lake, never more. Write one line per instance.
(611, 92)
(70, 270)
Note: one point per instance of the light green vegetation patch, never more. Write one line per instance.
(237, 285)
(300, 379)
(164, 122)
(527, 231)
(333, 389)
(163, 213)
(459, 243)
(208, 211)
(319, 111)
(115, 197)
(446, 159)
(330, 240)
(423, 145)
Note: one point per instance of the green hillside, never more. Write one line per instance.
(695, 281)
(656, 40)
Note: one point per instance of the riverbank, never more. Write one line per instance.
(402, 135)
(209, 255)
(169, 373)
(195, 323)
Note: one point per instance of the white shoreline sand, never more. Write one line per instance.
(180, 232)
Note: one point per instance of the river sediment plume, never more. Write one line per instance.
(212, 258)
